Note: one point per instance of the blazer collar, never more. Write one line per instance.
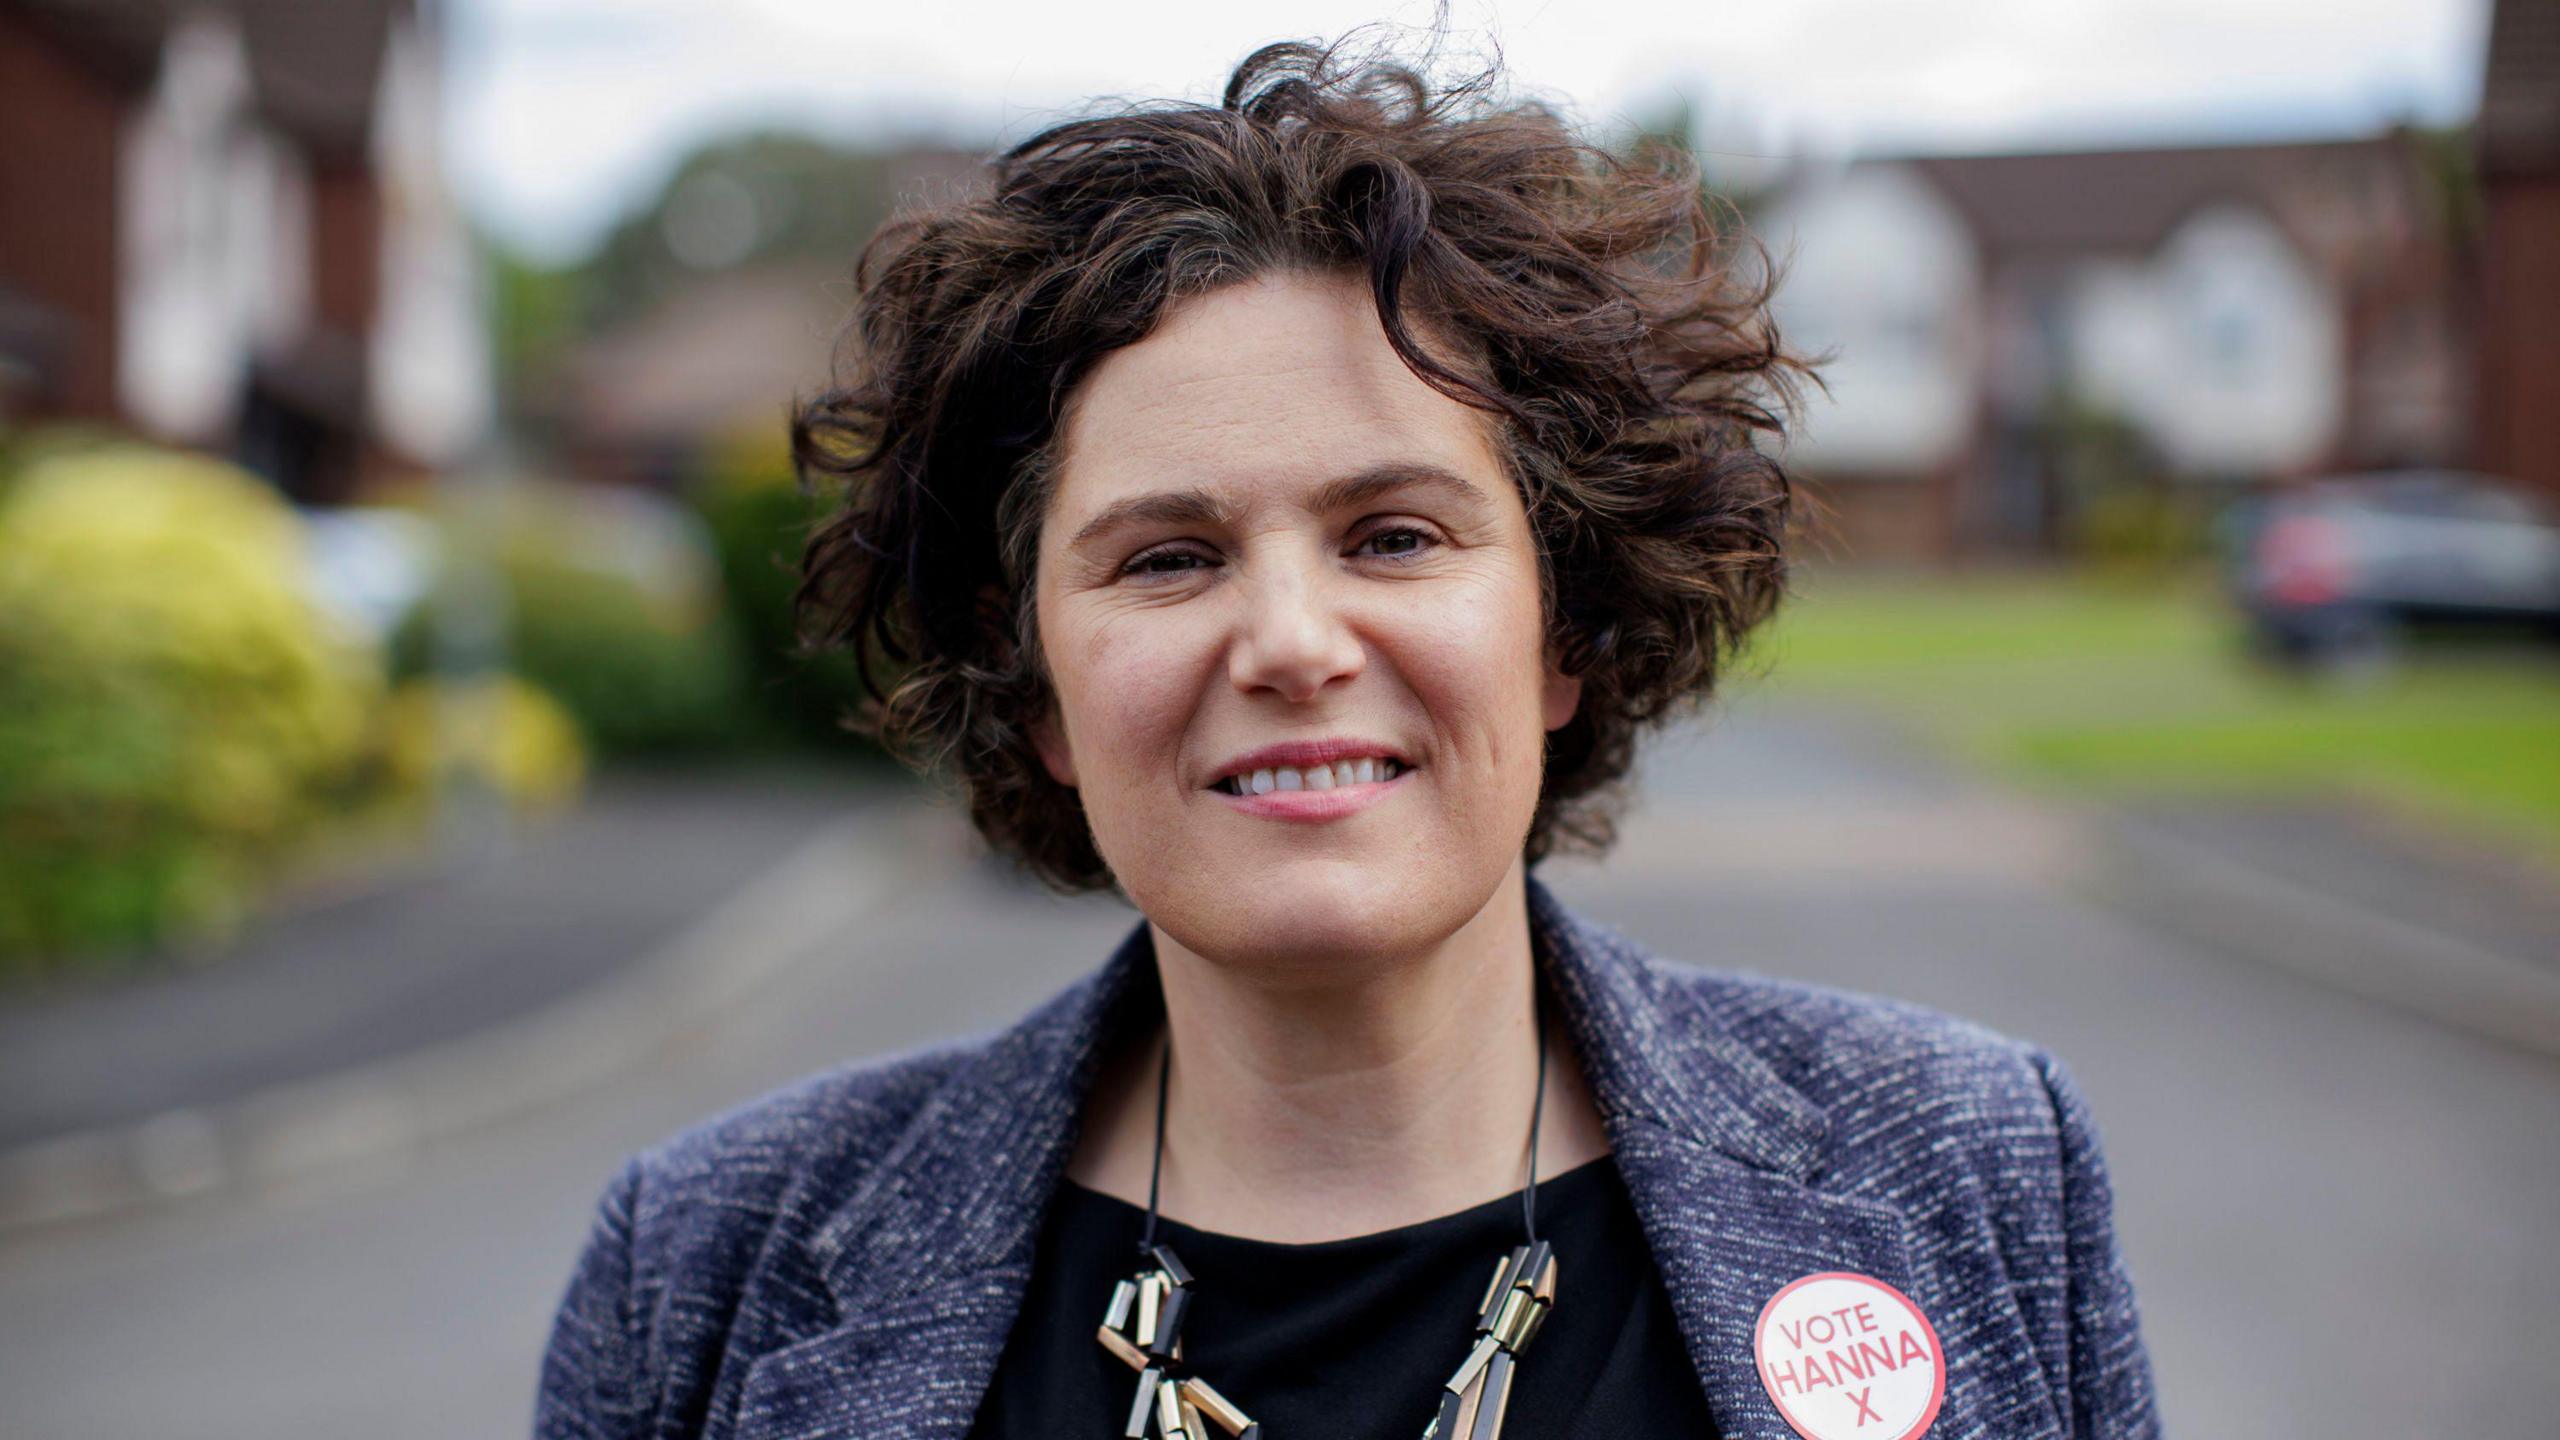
(1715, 1147)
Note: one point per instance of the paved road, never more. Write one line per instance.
(2344, 1221)
(526, 921)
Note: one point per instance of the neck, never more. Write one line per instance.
(1303, 1112)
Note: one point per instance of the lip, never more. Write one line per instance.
(1299, 754)
(1312, 806)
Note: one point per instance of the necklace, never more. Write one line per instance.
(1143, 1324)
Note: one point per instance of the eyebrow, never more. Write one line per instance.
(1199, 507)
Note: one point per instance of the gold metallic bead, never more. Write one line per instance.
(1474, 1364)
(1201, 1393)
(1123, 1295)
(1118, 1344)
(1537, 1317)
(1512, 1320)
(1470, 1400)
(1150, 1294)
(1139, 1404)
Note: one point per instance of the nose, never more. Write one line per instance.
(1293, 639)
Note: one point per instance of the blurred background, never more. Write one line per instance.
(411, 800)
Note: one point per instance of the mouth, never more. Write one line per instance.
(1314, 794)
(1339, 774)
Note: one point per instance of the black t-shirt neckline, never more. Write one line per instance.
(1351, 1338)
(1553, 1191)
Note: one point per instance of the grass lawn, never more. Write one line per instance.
(2095, 684)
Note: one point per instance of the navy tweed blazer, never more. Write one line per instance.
(844, 1256)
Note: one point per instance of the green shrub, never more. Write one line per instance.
(174, 709)
(2143, 531)
(611, 603)
(2122, 509)
(760, 520)
(500, 733)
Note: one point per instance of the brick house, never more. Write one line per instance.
(2234, 315)
(224, 225)
(2519, 333)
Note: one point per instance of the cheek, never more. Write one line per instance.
(1476, 659)
(1126, 686)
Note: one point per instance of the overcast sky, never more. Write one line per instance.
(565, 112)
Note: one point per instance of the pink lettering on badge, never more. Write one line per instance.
(1846, 1355)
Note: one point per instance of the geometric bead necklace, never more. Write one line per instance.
(1143, 1323)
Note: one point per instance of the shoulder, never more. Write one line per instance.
(713, 1236)
(782, 1160)
(1980, 1140)
(1910, 1095)
(1837, 1045)
(1983, 1145)
(1803, 1067)
(707, 1243)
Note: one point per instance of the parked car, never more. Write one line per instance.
(2342, 568)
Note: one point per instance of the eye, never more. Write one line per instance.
(1163, 561)
(1400, 542)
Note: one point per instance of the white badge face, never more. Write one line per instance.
(1848, 1357)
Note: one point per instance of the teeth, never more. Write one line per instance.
(1364, 771)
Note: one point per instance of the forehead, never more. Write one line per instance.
(1287, 379)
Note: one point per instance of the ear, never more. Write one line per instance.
(1048, 735)
(1560, 696)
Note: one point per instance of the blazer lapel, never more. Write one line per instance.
(1727, 1237)
(915, 1366)
(928, 1262)
(1717, 1152)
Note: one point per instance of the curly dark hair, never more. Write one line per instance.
(1616, 333)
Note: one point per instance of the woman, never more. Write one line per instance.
(1290, 513)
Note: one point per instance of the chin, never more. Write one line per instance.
(1314, 916)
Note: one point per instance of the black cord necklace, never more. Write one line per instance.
(1143, 1325)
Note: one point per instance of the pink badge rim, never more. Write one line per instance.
(1937, 1352)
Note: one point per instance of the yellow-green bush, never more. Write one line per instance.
(612, 604)
(173, 706)
(761, 521)
(500, 733)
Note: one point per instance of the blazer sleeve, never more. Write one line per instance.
(593, 1381)
(2109, 1368)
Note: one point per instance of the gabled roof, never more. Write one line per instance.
(2076, 203)
(313, 64)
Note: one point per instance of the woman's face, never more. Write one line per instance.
(1266, 531)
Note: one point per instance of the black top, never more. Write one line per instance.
(1351, 1339)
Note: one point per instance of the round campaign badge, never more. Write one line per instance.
(1848, 1357)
